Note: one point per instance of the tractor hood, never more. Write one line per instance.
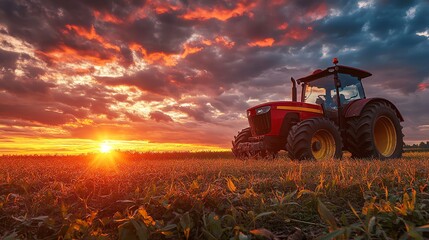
(284, 105)
(269, 118)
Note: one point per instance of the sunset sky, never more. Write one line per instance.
(179, 75)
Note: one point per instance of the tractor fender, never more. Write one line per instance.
(355, 108)
(289, 120)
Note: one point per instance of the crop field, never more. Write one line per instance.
(212, 196)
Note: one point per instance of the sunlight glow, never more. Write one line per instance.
(105, 147)
(49, 146)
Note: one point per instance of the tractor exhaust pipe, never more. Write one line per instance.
(294, 97)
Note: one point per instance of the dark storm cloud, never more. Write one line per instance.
(8, 59)
(152, 80)
(160, 117)
(27, 83)
(235, 66)
(36, 113)
(229, 103)
(126, 56)
(40, 22)
(164, 33)
(89, 99)
(24, 86)
(385, 39)
(27, 21)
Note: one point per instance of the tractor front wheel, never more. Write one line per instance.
(315, 138)
(244, 153)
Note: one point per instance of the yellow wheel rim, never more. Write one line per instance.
(385, 136)
(323, 145)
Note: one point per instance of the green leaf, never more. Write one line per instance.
(208, 235)
(264, 214)
(168, 227)
(354, 211)
(141, 230)
(228, 218)
(242, 236)
(40, 218)
(371, 224)
(344, 219)
(326, 215)
(333, 235)
(213, 225)
(125, 233)
(11, 236)
(186, 224)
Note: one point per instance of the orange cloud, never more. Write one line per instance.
(160, 9)
(107, 17)
(66, 54)
(90, 35)
(296, 34)
(190, 50)
(207, 42)
(156, 57)
(219, 13)
(267, 42)
(224, 41)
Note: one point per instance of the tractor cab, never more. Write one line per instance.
(333, 88)
(324, 93)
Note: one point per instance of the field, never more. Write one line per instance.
(212, 196)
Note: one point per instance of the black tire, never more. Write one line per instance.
(365, 132)
(306, 140)
(243, 137)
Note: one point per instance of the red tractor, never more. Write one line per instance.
(333, 115)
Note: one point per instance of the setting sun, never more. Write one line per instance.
(105, 147)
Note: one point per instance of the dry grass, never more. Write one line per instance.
(211, 196)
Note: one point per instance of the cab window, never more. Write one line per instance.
(351, 88)
(322, 92)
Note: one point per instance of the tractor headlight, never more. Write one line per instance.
(262, 110)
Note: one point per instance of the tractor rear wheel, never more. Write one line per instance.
(241, 153)
(315, 138)
(376, 133)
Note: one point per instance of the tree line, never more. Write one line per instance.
(420, 145)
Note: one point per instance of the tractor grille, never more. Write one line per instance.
(260, 124)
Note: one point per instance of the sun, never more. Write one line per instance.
(105, 147)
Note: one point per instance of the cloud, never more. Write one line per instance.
(24, 85)
(40, 114)
(8, 59)
(160, 117)
(267, 42)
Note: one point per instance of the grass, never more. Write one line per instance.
(212, 196)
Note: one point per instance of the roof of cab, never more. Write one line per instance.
(330, 70)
